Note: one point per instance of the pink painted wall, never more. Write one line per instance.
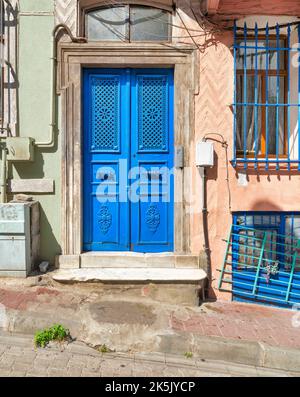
(259, 191)
(266, 7)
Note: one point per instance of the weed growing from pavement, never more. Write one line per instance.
(104, 349)
(188, 355)
(55, 333)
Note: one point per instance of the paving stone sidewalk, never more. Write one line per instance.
(45, 303)
(136, 321)
(243, 321)
(19, 358)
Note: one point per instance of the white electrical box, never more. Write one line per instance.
(204, 154)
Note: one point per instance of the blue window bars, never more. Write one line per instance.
(262, 259)
(267, 96)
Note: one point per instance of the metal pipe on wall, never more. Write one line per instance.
(205, 227)
(50, 142)
(61, 27)
(3, 179)
(3, 172)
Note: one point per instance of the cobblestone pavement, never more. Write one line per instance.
(19, 358)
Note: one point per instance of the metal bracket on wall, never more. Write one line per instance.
(179, 157)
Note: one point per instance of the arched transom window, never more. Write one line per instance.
(128, 23)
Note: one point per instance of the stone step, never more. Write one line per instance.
(128, 260)
(136, 275)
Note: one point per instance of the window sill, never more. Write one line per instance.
(270, 163)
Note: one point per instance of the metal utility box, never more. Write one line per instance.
(20, 149)
(19, 238)
(204, 154)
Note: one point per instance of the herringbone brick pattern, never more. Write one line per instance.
(65, 12)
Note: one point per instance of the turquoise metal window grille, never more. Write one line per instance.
(262, 258)
(266, 96)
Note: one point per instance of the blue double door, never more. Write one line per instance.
(128, 141)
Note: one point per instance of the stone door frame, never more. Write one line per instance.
(72, 58)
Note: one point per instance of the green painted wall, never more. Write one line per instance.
(36, 24)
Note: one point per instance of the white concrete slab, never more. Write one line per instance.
(128, 260)
(128, 275)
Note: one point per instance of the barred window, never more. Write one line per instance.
(266, 104)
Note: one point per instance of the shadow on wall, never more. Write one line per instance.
(212, 173)
(211, 36)
(270, 174)
(38, 169)
(35, 170)
(49, 245)
(266, 206)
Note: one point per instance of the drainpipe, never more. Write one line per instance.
(203, 173)
(3, 179)
(205, 226)
(61, 27)
(50, 142)
(3, 170)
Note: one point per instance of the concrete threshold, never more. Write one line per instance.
(163, 275)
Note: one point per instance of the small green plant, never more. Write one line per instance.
(104, 349)
(57, 332)
(188, 355)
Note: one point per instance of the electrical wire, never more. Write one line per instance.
(214, 28)
(201, 33)
(115, 5)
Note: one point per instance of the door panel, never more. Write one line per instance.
(152, 154)
(128, 126)
(106, 144)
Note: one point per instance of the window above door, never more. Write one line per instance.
(128, 23)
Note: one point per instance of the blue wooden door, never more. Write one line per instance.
(128, 160)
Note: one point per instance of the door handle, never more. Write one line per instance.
(105, 176)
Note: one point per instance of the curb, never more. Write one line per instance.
(244, 352)
(171, 360)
